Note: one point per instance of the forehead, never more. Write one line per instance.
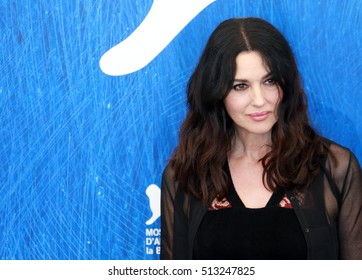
(250, 65)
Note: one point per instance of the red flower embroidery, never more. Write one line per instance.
(285, 202)
(218, 204)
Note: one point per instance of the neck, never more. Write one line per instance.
(253, 146)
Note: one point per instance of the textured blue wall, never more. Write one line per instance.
(78, 148)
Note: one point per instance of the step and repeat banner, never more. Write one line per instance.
(92, 94)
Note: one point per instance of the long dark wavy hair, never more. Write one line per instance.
(207, 132)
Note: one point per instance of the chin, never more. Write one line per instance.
(259, 129)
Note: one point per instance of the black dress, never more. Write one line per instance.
(229, 230)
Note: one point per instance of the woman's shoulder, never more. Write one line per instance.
(340, 159)
(168, 173)
(168, 179)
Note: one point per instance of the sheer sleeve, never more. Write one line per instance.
(347, 174)
(168, 193)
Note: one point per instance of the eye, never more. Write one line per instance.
(240, 86)
(270, 82)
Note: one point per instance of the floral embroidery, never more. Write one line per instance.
(223, 203)
(285, 202)
(218, 204)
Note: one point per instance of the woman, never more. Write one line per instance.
(250, 178)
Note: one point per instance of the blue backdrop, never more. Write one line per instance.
(79, 148)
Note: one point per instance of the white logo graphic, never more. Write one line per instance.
(154, 195)
(164, 21)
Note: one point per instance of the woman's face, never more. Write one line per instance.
(253, 101)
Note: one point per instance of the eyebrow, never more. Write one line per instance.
(268, 75)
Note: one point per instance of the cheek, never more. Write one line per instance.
(231, 108)
(228, 101)
(234, 103)
(276, 98)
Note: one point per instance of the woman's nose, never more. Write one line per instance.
(257, 97)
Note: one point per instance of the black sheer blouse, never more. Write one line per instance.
(329, 211)
(230, 231)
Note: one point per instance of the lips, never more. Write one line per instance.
(259, 116)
